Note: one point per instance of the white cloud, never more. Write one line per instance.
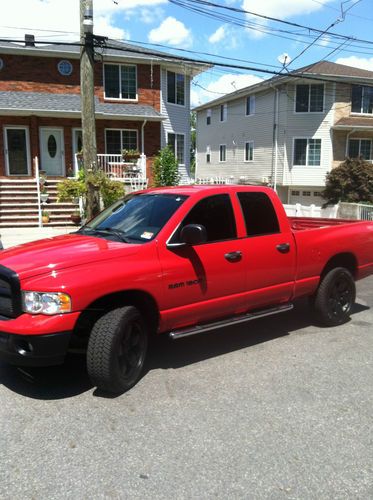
(223, 85)
(32, 16)
(218, 35)
(171, 31)
(282, 9)
(149, 16)
(357, 62)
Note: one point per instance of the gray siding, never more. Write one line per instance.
(259, 128)
(177, 117)
(234, 133)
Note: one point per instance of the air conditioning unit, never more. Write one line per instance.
(265, 180)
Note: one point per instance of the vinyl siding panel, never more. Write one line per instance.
(309, 125)
(234, 133)
(177, 117)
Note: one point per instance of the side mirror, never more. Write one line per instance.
(193, 234)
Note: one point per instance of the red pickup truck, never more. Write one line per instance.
(180, 261)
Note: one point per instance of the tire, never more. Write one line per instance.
(335, 297)
(117, 349)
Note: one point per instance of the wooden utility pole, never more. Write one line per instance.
(87, 95)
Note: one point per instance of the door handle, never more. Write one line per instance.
(233, 256)
(283, 247)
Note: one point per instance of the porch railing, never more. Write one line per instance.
(117, 169)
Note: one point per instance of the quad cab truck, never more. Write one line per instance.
(175, 261)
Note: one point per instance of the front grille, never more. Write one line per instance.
(10, 294)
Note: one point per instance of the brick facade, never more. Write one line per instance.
(22, 73)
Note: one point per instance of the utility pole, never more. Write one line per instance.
(87, 96)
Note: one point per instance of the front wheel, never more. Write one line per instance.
(117, 349)
(335, 297)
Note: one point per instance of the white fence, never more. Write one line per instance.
(214, 180)
(299, 210)
(117, 169)
(365, 212)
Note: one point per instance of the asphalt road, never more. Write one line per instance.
(275, 409)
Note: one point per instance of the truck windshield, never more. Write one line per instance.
(135, 218)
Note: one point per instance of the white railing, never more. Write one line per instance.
(214, 180)
(299, 210)
(365, 212)
(115, 168)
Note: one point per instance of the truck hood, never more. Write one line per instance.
(61, 252)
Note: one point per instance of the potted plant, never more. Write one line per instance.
(45, 216)
(131, 155)
(43, 194)
(76, 217)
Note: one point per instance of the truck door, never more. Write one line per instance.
(204, 281)
(270, 255)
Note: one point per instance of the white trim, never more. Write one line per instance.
(225, 153)
(63, 164)
(185, 93)
(121, 141)
(307, 151)
(295, 112)
(27, 137)
(126, 99)
(244, 152)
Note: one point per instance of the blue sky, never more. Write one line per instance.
(163, 23)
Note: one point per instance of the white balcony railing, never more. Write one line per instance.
(117, 169)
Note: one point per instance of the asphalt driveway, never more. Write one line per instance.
(277, 408)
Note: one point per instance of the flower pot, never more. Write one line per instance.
(45, 219)
(44, 197)
(76, 219)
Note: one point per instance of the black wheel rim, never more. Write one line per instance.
(131, 351)
(341, 297)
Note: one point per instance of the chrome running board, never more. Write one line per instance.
(193, 330)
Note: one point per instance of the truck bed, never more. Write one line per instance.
(304, 223)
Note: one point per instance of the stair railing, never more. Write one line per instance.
(37, 176)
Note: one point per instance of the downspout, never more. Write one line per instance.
(347, 138)
(276, 140)
(142, 136)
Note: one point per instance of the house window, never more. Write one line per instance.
(306, 193)
(176, 143)
(117, 140)
(175, 88)
(208, 154)
(307, 152)
(223, 112)
(249, 151)
(1, 64)
(250, 105)
(360, 147)
(317, 194)
(309, 98)
(295, 193)
(120, 81)
(208, 117)
(222, 152)
(362, 99)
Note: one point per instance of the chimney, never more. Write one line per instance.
(29, 40)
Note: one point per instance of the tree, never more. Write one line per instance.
(351, 181)
(165, 169)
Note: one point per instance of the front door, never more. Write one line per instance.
(17, 151)
(52, 151)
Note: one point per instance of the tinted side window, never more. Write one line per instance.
(216, 214)
(259, 214)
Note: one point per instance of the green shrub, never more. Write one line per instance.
(351, 181)
(165, 169)
(111, 191)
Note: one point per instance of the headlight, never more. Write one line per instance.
(46, 303)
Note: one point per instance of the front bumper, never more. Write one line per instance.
(34, 350)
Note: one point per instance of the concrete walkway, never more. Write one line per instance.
(15, 236)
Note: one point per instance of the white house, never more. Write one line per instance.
(288, 131)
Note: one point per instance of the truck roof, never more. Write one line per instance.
(197, 188)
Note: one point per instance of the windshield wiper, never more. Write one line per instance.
(106, 230)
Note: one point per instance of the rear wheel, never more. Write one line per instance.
(335, 297)
(117, 349)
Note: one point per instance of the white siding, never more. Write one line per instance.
(177, 117)
(308, 125)
(235, 132)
